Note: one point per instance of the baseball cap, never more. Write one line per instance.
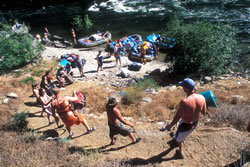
(187, 83)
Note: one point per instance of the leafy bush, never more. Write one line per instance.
(78, 22)
(202, 47)
(81, 24)
(136, 92)
(19, 122)
(133, 94)
(88, 23)
(16, 50)
(147, 83)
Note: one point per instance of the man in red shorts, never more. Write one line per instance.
(188, 114)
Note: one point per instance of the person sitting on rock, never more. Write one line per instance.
(68, 70)
(116, 121)
(60, 76)
(61, 105)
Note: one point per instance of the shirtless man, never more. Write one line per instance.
(115, 121)
(187, 114)
(65, 112)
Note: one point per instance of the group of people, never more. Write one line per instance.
(117, 49)
(57, 106)
(45, 38)
(186, 117)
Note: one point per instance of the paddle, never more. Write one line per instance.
(104, 34)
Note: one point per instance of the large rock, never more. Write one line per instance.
(207, 79)
(147, 99)
(12, 95)
(125, 73)
(237, 98)
(5, 101)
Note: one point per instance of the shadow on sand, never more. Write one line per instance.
(157, 158)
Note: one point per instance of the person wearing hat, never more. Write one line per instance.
(116, 121)
(187, 115)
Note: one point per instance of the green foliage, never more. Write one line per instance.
(16, 50)
(81, 24)
(19, 122)
(88, 23)
(27, 80)
(135, 93)
(202, 47)
(32, 136)
(78, 22)
(17, 74)
(147, 83)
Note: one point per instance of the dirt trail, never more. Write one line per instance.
(207, 146)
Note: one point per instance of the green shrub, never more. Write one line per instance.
(28, 80)
(88, 22)
(32, 136)
(202, 47)
(17, 74)
(133, 94)
(81, 24)
(136, 92)
(78, 23)
(16, 50)
(19, 122)
(147, 83)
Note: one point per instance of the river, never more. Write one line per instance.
(144, 17)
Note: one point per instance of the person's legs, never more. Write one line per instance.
(48, 116)
(56, 120)
(116, 61)
(113, 139)
(84, 122)
(120, 61)
(132, 137)
(69, 130)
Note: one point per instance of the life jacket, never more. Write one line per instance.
(81, 102)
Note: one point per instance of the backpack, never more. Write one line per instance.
(81, 102)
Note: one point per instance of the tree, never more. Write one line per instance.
(16, 49)
(81, 24)
(202, 47)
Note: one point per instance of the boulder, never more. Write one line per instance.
(150, 90)
(125, 73)
(12, 95)
(237, 98)
(207, 79)
(5, 101)
(147, 99)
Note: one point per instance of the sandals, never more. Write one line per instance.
(91, 129)
(137, 140)
(179, 154)
(72, 134)
(113, 142)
